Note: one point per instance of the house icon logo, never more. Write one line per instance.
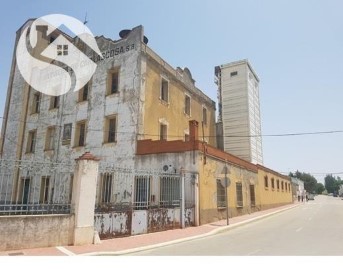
(50, 60)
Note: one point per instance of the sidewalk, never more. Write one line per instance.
(125, 245)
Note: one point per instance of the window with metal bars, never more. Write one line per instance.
(252, 195)
(44, 190)
(239, 194)
(170, 189)
(221, 199)
(106, 188)
(142, 192)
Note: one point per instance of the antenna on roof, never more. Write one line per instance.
(85, 21)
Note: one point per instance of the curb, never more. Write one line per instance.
(215, 231)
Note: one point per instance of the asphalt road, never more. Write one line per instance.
(314, 228)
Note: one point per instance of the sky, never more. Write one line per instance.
(295, 47)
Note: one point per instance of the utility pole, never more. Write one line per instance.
(227, 184)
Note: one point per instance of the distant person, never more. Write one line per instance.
(298, 194)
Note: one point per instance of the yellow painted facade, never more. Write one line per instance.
(172, 112)
(274, 189)
(212, 171)
(255, 196)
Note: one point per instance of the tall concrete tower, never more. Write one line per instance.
(239, 121)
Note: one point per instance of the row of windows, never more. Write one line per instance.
(221, 197)
(164, 97)
(285, 186)
(168, 196)
(112, 88)
(46, 192)
(83, 94)
(110, 134)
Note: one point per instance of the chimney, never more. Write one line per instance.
(193, 130)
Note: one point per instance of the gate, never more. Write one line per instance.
(131, 202)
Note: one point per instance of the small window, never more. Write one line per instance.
(62, 50)
(31, 142)
(83, 93)
(239, 194)
(113, 82)
(80, 134)
(163, 131)
(164, 90)
(67, 128)
(187, 105)
(278, 184)
(282, 185)
(266, 181)
(54, 102)
(232, 74)
(221, 199)
(50, 138)
(204, 115)
(110, 129)
(44, 190)
(273, 183)
(252, 195)
(36, 103)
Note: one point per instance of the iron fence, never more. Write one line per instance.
(30, 188)
(130, 189)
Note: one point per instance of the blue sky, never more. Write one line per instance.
(296, 48)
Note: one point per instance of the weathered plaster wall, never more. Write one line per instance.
(212, 170)
(19, 232)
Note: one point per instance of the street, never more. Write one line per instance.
(312, 229)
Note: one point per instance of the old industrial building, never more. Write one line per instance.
(239, 119)
(155, 134)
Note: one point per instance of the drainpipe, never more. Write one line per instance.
(182, 200)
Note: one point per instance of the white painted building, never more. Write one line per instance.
(239, 110)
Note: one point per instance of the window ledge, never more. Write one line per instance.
(163, 102)
(239, 206)
(49, 150)
(109, 143)
(112, 94)
(82, 102)
(221, 207)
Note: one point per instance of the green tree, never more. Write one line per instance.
(310, 182)
(332, 184)
(320, 188)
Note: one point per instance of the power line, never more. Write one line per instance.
(207, 136)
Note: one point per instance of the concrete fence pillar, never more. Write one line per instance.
(83, 198)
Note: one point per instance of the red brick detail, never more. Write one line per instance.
(161, 146)
(193, 130)
(87, 156)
